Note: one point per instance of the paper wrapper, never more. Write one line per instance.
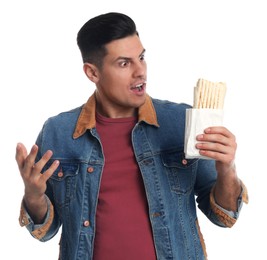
(196, 121)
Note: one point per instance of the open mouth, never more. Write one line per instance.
(138, 87)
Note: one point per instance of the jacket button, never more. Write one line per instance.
(90, 169)
(60, 174)
(86, 223)
(184, 162)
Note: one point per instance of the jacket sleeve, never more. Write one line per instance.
(228, 218)
(204, 190)
(44, 231)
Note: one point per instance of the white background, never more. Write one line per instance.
(41, 75)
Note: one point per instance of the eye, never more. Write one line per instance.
(124, 63)
(142, 57)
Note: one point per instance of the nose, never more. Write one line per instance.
(139, 69)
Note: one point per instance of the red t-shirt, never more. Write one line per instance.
(123, 229)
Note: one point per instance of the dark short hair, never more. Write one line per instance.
(101, 30)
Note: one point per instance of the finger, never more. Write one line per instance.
(24, 160)
(218, 156)
(48, 173)
(216, 142)
(38, 166)
(226, 158)
(219, 130)
(214, 138)
(30, 159)
(217, 151)
(219, 135)
(210, 146)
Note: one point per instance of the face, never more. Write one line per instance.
(121, 82)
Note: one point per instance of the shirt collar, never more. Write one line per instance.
(87, 118)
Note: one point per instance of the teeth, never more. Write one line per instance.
(139, 87)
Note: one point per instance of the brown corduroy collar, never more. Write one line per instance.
(87, 119)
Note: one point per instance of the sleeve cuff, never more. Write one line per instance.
(228, 218)
(40, 230)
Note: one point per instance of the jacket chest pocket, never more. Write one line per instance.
(181, 172)
(63, 183)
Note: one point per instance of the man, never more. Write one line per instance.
(112, 173)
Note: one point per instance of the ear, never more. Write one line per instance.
(91, 71)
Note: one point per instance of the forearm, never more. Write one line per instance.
(227, 190)
(36, 208)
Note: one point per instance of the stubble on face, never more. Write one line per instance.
(121, 87)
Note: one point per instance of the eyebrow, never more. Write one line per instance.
(127, 58)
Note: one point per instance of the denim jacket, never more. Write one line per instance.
(173, 183)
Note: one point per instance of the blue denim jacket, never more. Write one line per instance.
(173, 183)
